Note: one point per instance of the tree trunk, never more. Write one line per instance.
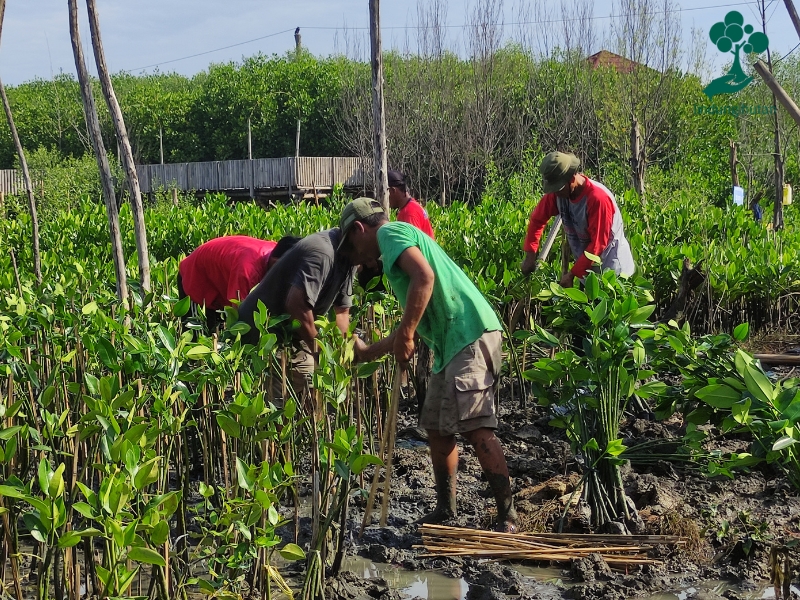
(733, 162)
(37, 259)
(124, 145)
(93, 125)
(777, 213)
(378, 113)
(637, 160)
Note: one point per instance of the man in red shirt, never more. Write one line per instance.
(226, 269)
(589, 214)
(408, 210)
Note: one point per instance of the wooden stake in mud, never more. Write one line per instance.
(388, 432)
(9, 543)
(391, 424)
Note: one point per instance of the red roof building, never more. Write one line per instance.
(604, 58)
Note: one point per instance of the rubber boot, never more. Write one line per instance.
(506, 514)
(445, 500)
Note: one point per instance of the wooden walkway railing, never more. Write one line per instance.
(304, 173)
(260, 174)
(11, 181)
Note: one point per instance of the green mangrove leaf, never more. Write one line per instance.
(181, 307)
(246, 480)
(9, 432)
(160, 533)
(758, 384)
(146, 555)
(599, 312)
(198, 351)
(359, 463)
(292, 552)
(229, 425)
(575, 295)
(783, 442)
(592, 286)
(718, 395)
(147, 473)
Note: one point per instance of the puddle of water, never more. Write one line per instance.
(433, 585)
(764, 591)
(416, 584)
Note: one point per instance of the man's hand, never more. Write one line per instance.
(567, 280)
(528, 265)
(403, 348)
(360, 349)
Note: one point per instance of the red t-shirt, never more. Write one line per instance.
(225, 269)
(599, 218)
(415, 215)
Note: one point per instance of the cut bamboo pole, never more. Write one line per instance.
(382, 448)
(389, 454)
(440, 540)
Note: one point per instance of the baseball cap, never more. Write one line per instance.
(360, 208)
(396, 178)
(557, 168)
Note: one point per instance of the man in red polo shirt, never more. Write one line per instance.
(226, 269)
(408, 210)
(589, 214)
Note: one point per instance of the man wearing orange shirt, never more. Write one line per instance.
(590, 216)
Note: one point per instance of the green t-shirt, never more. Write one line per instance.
(457, 313)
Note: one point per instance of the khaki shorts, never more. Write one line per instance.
(299, 370)
(461, 397)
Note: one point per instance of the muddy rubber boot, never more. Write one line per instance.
(506, 514)
(445, 500)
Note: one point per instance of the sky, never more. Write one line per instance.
(185, 36)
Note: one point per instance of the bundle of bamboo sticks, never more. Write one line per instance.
(616, 550)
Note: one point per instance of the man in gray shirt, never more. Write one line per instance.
(305, 283)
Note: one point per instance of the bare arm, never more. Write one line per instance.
(420, 289)
(366, 353)
(299, 309)
(342, 319)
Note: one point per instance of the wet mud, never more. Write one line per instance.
(729, 525)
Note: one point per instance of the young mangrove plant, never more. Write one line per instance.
(592, 381)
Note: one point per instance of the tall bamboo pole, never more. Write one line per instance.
(793, 15)
(378, 112)
(124, 145)
(93, 125)
(37, 259)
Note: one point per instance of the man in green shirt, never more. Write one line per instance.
(446, 310)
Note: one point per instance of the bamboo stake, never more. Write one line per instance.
(12, 553)
(392, 425)
(376, 477)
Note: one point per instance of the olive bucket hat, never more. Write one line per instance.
(557, 169)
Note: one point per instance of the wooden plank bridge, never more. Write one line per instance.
(307, 175)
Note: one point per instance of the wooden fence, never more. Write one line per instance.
(304, 173)
(11, 181)
(260, 174)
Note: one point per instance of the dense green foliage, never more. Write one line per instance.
(452, 123)
(84, 378)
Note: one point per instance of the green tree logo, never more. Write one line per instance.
(729, 36)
